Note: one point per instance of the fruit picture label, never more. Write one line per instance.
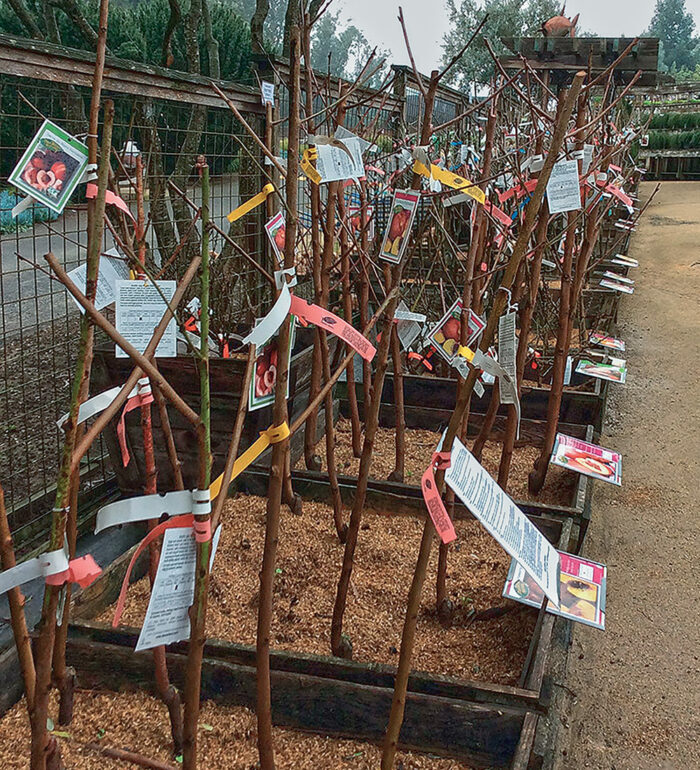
(588, 459)
(581, 590)
(276, 230)
(445, 335)
(403, 212)
(51, 167)
(262, 385)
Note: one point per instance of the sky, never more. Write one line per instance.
(426, 21)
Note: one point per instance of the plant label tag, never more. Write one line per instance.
(267, 92)
(504, 520)
(112, 269)
(563, 190)
(507, 349)
(139, 309)
(167, 617)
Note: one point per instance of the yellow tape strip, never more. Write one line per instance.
(270, 436)
(451, 180)
(307, 165)
(249, 205)
(465, 352)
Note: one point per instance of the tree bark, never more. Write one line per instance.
(519, 251)
(277, 466)
(262, 8)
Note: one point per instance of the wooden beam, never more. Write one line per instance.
(44, 61)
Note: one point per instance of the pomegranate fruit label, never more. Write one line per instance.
(51, 167)
(276, 230)
(264, 381)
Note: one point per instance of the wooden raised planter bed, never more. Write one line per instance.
(577, 407)
(479, 723)
(408, 498)
(226, 377)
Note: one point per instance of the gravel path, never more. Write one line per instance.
(635, 689)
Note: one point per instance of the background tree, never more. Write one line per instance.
(136, 32)
(337, 49)
(507, 18)
(674, 25)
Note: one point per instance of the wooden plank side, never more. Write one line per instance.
(476, 734)
(329, 667)
(44, 61)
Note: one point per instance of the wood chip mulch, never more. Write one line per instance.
(226, 739)
(420, 444)
(308, 566)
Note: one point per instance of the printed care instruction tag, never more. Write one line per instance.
(507, 349)
(267, 92)
(140, 308)
(563, 190)
(112, 269)
(167, 619)
(334, 164)
(503, 519)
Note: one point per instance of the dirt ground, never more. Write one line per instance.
(634, 690)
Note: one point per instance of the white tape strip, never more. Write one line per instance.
(406, 315)
(505, 382)
(101, 401)
(453, 200)
(50, 563)
(25, 203)
(201, 502)
(90, 173)
(272, 321)
(144, 508)
(281, 277)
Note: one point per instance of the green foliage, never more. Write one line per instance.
(507, 18)
(673, 24)
(674, 140)
(136, 31)
(676, 121)
(342, 50)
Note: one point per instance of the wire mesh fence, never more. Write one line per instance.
(39, 321)
(170, 121)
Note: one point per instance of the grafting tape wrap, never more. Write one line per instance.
(54, 567)
(142, 397)
(281, 278)
(201, 506)
(272, 435)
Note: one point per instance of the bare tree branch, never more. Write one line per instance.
(211, 42)
(26, 19)
(73, 12)
(173, 20)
